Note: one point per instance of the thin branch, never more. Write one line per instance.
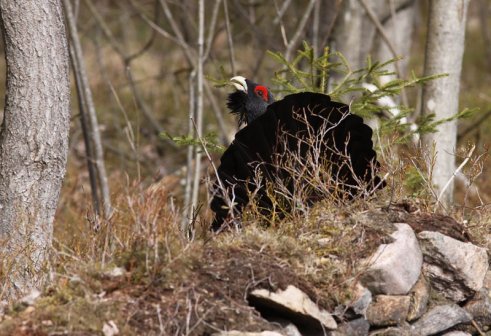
(278, 19)
(94, 125)
(459, 168)
(218, 113)
(315, 28)
(229, 37)
(300, 30)
(86, 134)
(187, 189)
(474, 125)
(281, 11)
(177, 32)
(211, 29)
(383, 34)
(199, 102)
(126, 60)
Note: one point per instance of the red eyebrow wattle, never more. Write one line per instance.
(264, 91)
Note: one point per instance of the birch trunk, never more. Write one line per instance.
(444, 52)
(33, 138)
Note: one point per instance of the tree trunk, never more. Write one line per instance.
(33, 137)
(444, 51)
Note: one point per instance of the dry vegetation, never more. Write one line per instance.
(169, 285)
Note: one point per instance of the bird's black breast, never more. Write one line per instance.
(287, 127)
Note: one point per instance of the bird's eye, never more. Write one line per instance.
(260, 93)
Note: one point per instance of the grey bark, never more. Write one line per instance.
(33, 138)
(444, 52)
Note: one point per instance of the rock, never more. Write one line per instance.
(362, 298)
(294, 305)
(394, 268)
(487, 281)
(439, 319)
(420, 295)
(287, 327)
(245, 333)
(110, 329)
(115, 272)
(480, 309)
(358, 327)
(3, 307)
(291, 330)
(30, 298)
(456, 333)
(455, 268)
(388, 310)
(392, 331)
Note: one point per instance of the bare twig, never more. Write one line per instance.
(211, 29)
(315, 28)
(187, 189)
(218, 113)
(229, 37)
(300, 29)
(94, 125)
(279, 20)
(281, 11)
(86, 135)
(474, 125)
(459, 168)
(126, 60)
(199, 102)
(175, 28)
(386, 39)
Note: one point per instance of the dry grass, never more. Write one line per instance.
(174, 286)
(169, 285)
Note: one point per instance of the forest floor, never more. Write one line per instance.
(168, 286)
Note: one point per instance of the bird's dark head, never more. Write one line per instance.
(249, 101)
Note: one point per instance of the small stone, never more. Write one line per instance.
(358, 327)
(110, 329)
(30, 298)
(394, 268)
(388, 310)
(245, 333)
(291, 330)
(294, 305)
(115, 272)
(439, 319)
(480, 309)
(457, 333)
(392, 331)
(29, 310)
(420, 295)
(455, 268)
(47, 323)
(487, 281)
(3, 307)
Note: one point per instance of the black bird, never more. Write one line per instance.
(299, 130)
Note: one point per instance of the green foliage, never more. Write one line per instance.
(306, 72)
(209, 141)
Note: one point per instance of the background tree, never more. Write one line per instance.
(444, 53)
(33, 138)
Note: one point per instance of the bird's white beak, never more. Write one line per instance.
(239, 82)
